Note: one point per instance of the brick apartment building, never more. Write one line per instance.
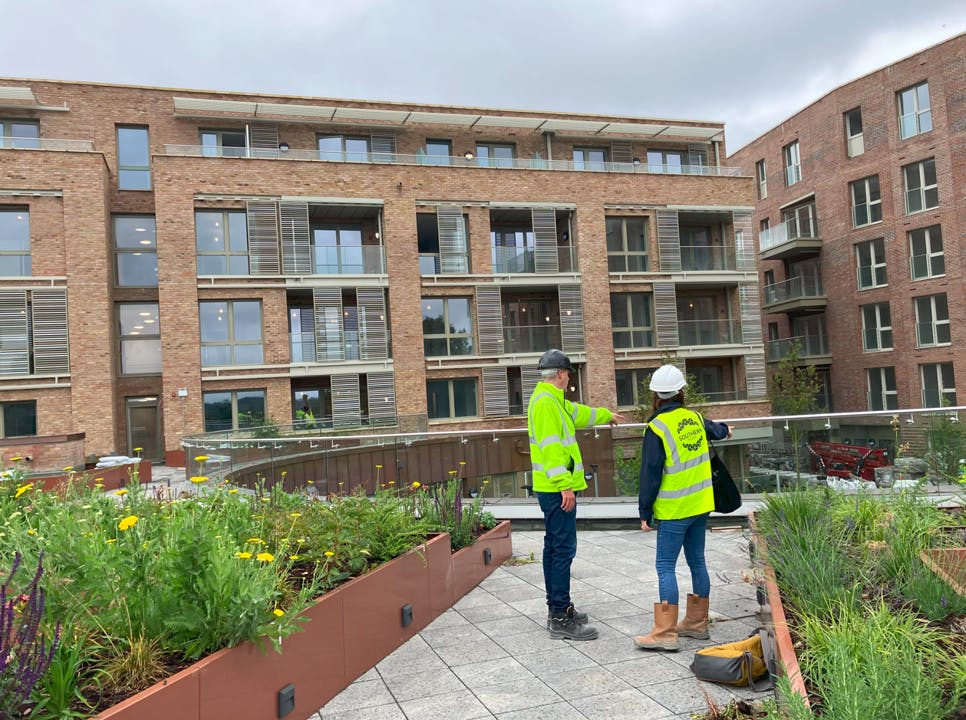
(861, 227)
(175, 261)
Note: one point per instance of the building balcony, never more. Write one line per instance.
(349, 260)
(460, 161)
(798, 295)
(530, 338)
(515, 260)
(794, 239)
(54, 144)
(304, 349)
(707, 258)
(812, 349)
(714, 331)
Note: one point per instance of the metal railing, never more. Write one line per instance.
(348, 260)
(304, 347)
(513, 260)
(707, 257)
(447, 161)
(792, 229)
(794, 288)
(8, 142)
(806, 346)
(530, 338)
(714, 331)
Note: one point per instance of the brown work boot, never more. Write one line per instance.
(664, 636)
(695, 623)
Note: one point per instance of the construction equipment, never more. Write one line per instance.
(851, 462)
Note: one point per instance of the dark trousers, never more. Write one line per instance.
(559, 549)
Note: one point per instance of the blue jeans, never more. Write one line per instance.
(559, 549)
(672, 535)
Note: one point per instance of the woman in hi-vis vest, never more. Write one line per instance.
(676, 492)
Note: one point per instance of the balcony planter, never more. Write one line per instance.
(350, 629)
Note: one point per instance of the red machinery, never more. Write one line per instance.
(846, 461)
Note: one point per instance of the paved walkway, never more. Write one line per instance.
(490, 656)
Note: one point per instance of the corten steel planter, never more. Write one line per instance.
(111, 478)
(949, 564)
(351, 628)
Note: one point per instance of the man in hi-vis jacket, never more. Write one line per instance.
(558, 474)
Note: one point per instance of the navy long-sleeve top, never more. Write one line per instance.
(653, 459)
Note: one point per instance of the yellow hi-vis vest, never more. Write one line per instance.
(686, 485)
(551, 425)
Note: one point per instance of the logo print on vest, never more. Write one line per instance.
(689, 434)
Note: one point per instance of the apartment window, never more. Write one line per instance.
(793, 163)
(451, 398)
(871, 263)
(136, 250)
(18, 419)
(632, 320)
(494, 155)
(762, 179)
(915, 116)
(438, 152)
(224, 143)
(140, 334)
(922, 191)
(221, 241)
(763, 225)
(854, 142)
(938, 384)
(866, 201)
(343, 147)
(234, 410)
(926, 256)
(14, 242)
(932, 320)
(231, 332)
(133, 159)
(338, 250)
(882, 388)
(626, 244)
(800, 221)
(589, 158)
(665, 161)
(876, 327)
(631, 386)
(19, 134)
(447, 327)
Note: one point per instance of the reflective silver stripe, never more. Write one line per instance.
(687, 464)
(568, 441)
(684, 492)
(537, 467)
(593, 417)
(554, 471)
(579, 467)
(549, 440)
(573, 413)
(669, 439)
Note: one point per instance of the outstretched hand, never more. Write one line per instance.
(617, 418)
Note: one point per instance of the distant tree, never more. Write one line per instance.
(794, 391)
(693, 397)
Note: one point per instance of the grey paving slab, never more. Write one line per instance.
(590, 681)
(504, 627)
(465, 634)
(469, 652)
(519, 694)
(650, 668)
(360, 695)
(554, 711)
(625, 705)
(555, 660)
(491, 672)
(460, 704)
(423, 685)
(683, 695)
(379, 712)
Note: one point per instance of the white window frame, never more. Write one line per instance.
(876, 267)
(793, 163)
(881, 385)
(922, 191)
(762, 175)
(933, 260)
(854, 139)
(915, 113)
(876, 329)
(944, 393)
(870, 201)
(931, 316)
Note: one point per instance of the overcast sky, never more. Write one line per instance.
(748, 63)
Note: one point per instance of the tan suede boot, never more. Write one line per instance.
(664, 636)
(695, 623)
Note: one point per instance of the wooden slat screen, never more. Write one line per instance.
(49, 318)
(666, 314)
(744, 241)
(489, 320)
(529, 377)
(571, 318)
(373, 338)
(669, 240)
(329, 325)
(382, 398)
(750, 314)
(755, 376)
(346, 405)
(545, 258)
(264, 139)
(14, 337)
(263, 238)
(452, 240)
(496, 401)
(383, 146)
(296, 247)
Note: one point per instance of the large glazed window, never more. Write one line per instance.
(19, 133)
(140, 334)
(793, 163)
(447, 327)
(915, 115)
(938, 384)
(871, 264)
(14, 242)
(18, 419)
(451, 398)
(343, 147)
(136, 250)
(234, 410)
(866, 201)
(224, 143)
(627, 244)
(133, 159)
(876, 327)
(926, 258)
(231, 332)
(632, 320)
(922, 190)
(882, 388)
(221, 240)
(932, 320)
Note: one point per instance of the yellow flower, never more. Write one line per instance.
(378, 467)
(295, 515)
(31, 531)
(111, 540)
(257, 541)
(68, 468)
(462, 462)
(310, 482)
(243, 555)
(233, 491)
(201, 458)
(284, 473)
(16, 458)
(128, 522)
(294, 557)
(416, 484)
(265, 557)
(122, 491)
(198, 479)
(278, 613)
(329, 553)
(452, 472)
(392, 482)
(23, 488)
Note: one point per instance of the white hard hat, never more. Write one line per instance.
(666, 381)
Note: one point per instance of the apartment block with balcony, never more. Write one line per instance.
(860, 233)
(176, 262)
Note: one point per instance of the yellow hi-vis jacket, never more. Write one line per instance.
(686, 486)
(552, 422)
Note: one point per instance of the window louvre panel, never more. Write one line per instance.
(14, 343)
(621, 152)
(529, 377)
(545, 258)
(750, 314)
(496, 401)
(329, 326)
(489, 320)
(382, 398)
(49, 317)
(296, 248)
(264, 137)
(669, 240)
(744, 241)
(263, 238)
(571, 318)
(346, 407)
(755, 376)
(666, 314)
(373, 342)
(452, 240)
(383, 146)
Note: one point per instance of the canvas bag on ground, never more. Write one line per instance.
(737, 663)
(726, 496)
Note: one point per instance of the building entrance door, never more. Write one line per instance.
(144, 427)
